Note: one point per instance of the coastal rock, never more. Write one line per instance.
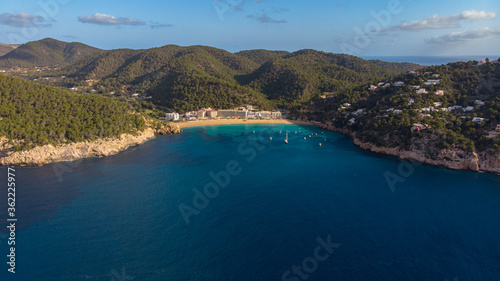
(41, 155)
(449, 158)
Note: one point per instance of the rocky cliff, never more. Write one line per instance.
(448, 158)
(67, 152)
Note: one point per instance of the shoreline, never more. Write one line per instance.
(458, 159)
(217, 122)
(47, 154)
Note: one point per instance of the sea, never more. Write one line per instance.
(431, 60)
(236, 202)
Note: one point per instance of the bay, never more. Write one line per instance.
(120, 217)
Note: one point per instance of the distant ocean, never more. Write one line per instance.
(429, 60)
(258, 209)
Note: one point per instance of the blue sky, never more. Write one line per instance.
(360, 27)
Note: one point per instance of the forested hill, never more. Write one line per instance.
(46, 53)
(297, 77)
(6, 48)
(261, 56)
(187, 78)
(453, 106)
(36, 114)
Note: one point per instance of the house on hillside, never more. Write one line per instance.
(399, 83)
(479, 103)
(432, 82)
(422, 91)
(419, 127)
(439, 93)
(478, 120)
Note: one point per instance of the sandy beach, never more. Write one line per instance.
(214, 122)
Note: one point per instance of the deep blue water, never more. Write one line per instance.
(118, 218)
(430, 60)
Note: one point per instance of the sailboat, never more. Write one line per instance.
(286, 139)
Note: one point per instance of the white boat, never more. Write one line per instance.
(286, 139)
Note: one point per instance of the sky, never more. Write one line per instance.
(357, 27)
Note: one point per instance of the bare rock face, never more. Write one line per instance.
(449, 158)
(67, 152)
(168, 129)
(455, 159)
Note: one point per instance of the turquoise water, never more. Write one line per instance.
(275, 208)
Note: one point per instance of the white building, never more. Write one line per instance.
(412, 101)
(432, 82)
(399, 83)
(455, 107)
(421, 91)
(478, 120)
(439, 93)
(276, 115)
(265, 114)
(201, 114)
(172, 116)
(358, 112)
(211, 113)
(233, 113)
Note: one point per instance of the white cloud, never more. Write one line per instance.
(439, 22)
(103, 19)
(22, 20)
(469, 35)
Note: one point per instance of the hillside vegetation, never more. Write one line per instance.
(6, 48)
(37, 114)
(387, 116)
(188, 78)
(46, 53)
